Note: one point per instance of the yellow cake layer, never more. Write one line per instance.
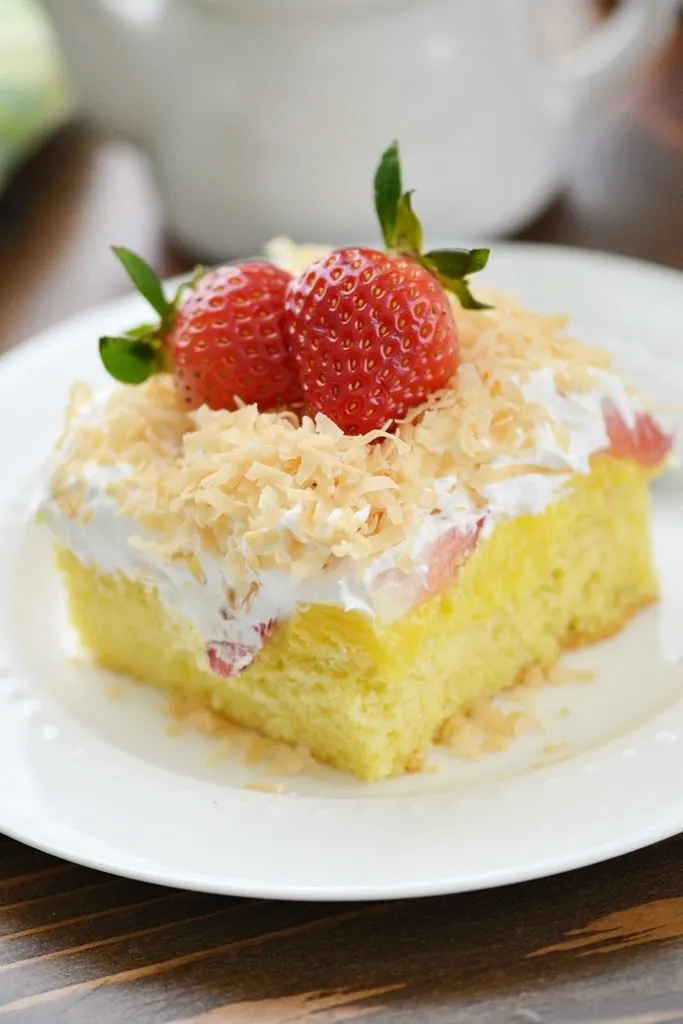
(368, 697)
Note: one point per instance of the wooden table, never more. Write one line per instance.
(601, 945)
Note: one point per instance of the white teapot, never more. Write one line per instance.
(267, 117)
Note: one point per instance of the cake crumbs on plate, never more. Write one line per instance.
(115, 691)
(266, 787)
(417, 764)
(221, 752)
(79, 661)
(488, 726)
(561, 674)
(532, 679)
(555, 748)
(553, 753)
(277, 757)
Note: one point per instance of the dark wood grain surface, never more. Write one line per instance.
(76, 947)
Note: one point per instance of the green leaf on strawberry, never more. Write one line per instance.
(146, 281)
(451, 267)
(456, 263)
(460, 288)
(133, 357)
(131, 360)
(388, 190)
(402, 233)
(408, 230)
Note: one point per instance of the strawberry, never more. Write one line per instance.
(228, 658)
(372, 335)
(645, 442)
(221, 336)
(227, 340)
(443, 561)
(373, 332)
(446, 557)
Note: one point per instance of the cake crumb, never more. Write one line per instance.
(266, 787)
(284, 759)
(256, 750)
(555, 748)
(78, 661)
(483, 729)
(221, 752)
(277, 757)
(533, 678)
(115, 691)
(415, 764)
(489, 726)
(561, 674)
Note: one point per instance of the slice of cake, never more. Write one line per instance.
(338, 508)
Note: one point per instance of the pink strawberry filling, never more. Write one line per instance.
(445, 558)
(227, 658)
(645, 442)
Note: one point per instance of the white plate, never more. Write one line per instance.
(100, 781)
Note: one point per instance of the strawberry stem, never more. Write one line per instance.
(402, 233)
(133, 357)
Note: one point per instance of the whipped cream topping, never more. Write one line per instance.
(232, 629)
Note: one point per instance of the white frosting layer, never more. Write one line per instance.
(200, 598)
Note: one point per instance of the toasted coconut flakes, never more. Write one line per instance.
(486, 727)
(490, 725)
(229, 478)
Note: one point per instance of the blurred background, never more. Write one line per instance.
(82, 168)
